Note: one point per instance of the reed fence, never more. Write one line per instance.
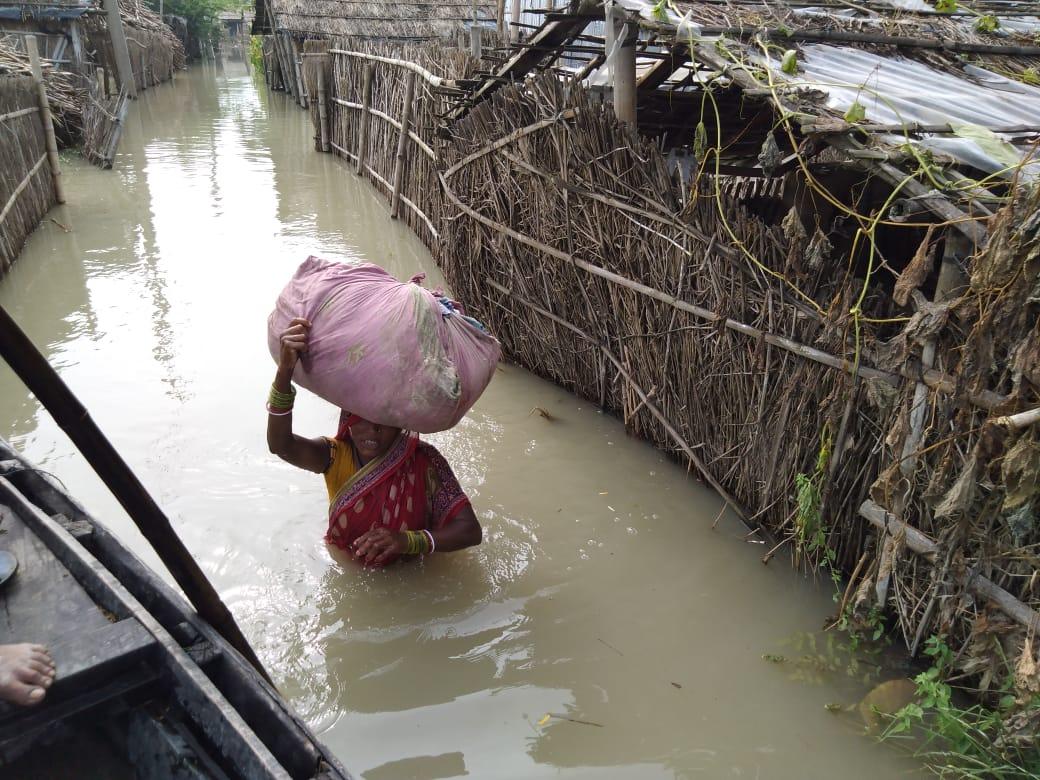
(26, 186)
(895, 443)
(378, 105)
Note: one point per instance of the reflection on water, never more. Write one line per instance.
(602, 630)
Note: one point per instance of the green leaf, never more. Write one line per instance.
(988, 141)
(789, 63)
(946, 6)
(700, 141)
(660, 11)
(856, 113)
(1031, 76)
(987, 24)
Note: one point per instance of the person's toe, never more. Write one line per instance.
(34, 696)
(37, 678)
(39, 654)
(42, 668)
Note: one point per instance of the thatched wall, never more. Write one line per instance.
(413, 20)
(770, 353)
(26, 189)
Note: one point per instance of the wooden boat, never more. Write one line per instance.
(145, 687)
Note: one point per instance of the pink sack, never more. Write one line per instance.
(389, 351)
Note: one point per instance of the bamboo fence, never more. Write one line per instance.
(26, 186)
(371, 126)
(880, 423)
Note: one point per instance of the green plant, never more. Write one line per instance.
(987, 23)
(202, 16)
(256, 52)
(964, 741)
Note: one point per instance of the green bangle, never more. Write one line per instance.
(279, 400)
(416, 543)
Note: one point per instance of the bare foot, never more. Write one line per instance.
(26, 672)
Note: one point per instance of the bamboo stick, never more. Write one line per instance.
(366, 103)
(515, 9)
(406, 115)
(42, 380)
(925, 547)
(323, 115)
(45, 117)
(294, 54)
(908, 459)
(624, 71)
(21, 186)
(119, 47)
(501, 13)
(431, 79)
(425, 147)
(18, 113)
(1020, 420)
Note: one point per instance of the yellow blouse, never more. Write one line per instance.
(342, 466)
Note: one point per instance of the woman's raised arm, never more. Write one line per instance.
(310, 454)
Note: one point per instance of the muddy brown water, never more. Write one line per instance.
(603, 629)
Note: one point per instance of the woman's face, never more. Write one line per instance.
(372, 439)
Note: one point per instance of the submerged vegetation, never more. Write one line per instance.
(972, 739)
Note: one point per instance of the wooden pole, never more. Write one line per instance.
(476, 48)
(462, 40)
(515, 10)
(402, 138)
(42, 380)
(323, 113)
(926, 548)
(624, 71)
(609, 39)
(502, 20)
(122, 53)
(45, 117)
(295, 53)
(366, 116)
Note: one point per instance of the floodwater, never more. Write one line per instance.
(603, 629)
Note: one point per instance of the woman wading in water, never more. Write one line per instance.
(389, 493)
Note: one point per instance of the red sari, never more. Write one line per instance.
(410, 487)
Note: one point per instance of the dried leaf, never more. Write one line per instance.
(770, 157)
(928, 320)
(959, 497)
(917, 269)
(818, 251)
(1021, 523)
(1020, 471)
(1027, 671)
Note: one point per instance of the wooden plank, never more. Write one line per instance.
(552, 34)
(83, 660)
(42, 719)
(88, 656)
(658, 74)
(42, 603)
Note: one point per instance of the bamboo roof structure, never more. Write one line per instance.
(891, 86)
